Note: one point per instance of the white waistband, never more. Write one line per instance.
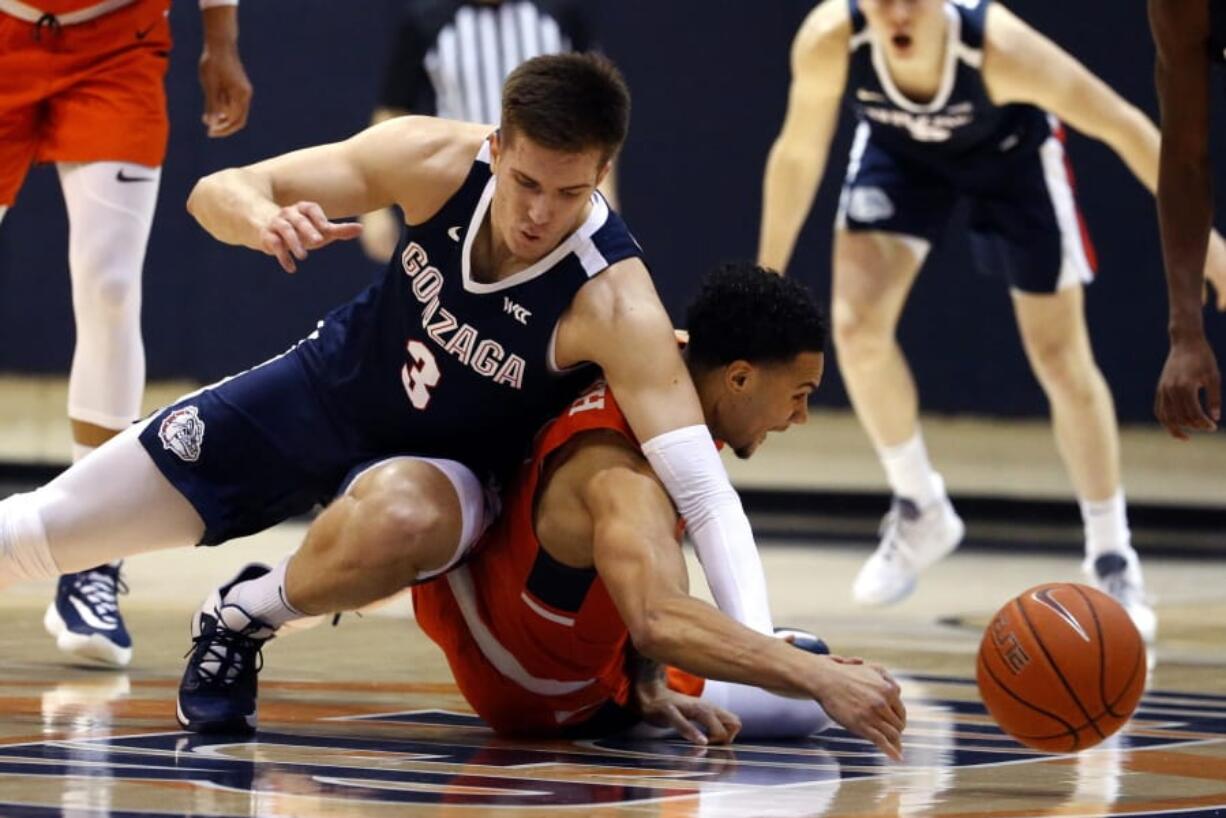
(22, 11)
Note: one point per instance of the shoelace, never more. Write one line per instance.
(229, 650)
(890, 531)
(99, 589)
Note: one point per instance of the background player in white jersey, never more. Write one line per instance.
(510, 216)
(1190, 36)
(953, 99)
(81, 85)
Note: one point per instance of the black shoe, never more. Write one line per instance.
(218, 691)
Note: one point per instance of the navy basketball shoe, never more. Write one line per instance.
(218, 691)
(1118, 573)
(84, 617)
(804, 640)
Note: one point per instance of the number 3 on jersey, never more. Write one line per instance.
(420, 374)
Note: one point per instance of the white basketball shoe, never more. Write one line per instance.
(912, 538)
(1119, 574)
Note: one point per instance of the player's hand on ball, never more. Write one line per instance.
(866, 700)
(294, 230)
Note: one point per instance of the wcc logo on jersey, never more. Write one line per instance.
(516, 311)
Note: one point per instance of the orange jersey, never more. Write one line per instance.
(87, 92)
(58, 7)
(535, 646)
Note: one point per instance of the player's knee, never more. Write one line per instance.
(402, 521)
(405, 525)
(1063, 368)
(107, 280)
(857, 332)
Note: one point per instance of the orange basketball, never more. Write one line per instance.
(1061, 667)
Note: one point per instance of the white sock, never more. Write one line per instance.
(24, 551)
(909, 472)
(263, 598)
(1106, 525)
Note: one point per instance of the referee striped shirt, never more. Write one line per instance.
(451, 57)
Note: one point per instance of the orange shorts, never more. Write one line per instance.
(89, 92)
(508, 708)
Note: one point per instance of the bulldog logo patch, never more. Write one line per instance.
(182, 432)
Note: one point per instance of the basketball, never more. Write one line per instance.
(1061, 667)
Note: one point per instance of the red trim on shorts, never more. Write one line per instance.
(1087, 243)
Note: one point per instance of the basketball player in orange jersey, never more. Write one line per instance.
(81, 86)
(585, 566)
(1190, 36)
(956, 99)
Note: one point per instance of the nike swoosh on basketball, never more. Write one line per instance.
(122, 178)
(1044, 597)
(454, 232)
(90, 617)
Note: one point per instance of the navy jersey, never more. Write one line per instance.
(431, 361)
(961, 122)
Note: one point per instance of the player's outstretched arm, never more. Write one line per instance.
(797, 159)
(227, 91)
(1185, 212)
(643, 569)
(1020, 65)
(617, 322)
(285, 206)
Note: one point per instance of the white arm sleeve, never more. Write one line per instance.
(688, 464)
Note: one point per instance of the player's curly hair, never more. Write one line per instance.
(744, 312)
(567, 102)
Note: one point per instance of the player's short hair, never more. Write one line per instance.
(744, 312)
(567, 102)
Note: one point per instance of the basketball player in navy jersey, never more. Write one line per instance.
(512, 274)
(957, 99)
(1190, 36)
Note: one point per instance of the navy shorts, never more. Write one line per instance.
(1024, 222)
(255, 449)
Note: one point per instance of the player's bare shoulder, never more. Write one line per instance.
(826, 31)
(820, 50)
(1012, 51)
(421, 161)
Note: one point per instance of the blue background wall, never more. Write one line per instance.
(709, 81)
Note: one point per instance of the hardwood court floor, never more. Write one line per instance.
(362, 720)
